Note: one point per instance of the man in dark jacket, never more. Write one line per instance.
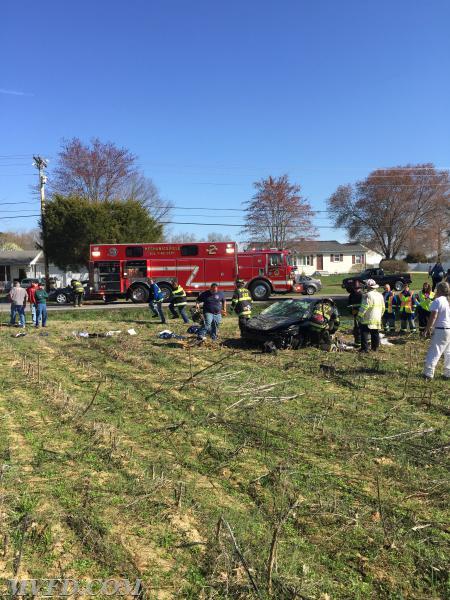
(214, 307)
(155, 300)
(437, 274)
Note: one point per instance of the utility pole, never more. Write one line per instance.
(41, 164)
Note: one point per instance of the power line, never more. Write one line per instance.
(242, 225)
(20, 216)
(14, 203)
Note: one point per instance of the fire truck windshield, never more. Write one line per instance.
(275, 260)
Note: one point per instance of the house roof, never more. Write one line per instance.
(19, 257)
(327, 246)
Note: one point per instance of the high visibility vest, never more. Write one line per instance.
(321, 317)
(78, 287)
(425, 300)
(241, 302)
(407, 303)
(179, 296)
(372, 309)
(389, 302)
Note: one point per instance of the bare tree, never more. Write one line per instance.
(214, 236)
(389, 205)
(181, 238)
(141, 188)
(95, 172)
(19, 240)
(277, 213)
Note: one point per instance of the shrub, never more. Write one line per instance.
(416, 257)
(393, 266)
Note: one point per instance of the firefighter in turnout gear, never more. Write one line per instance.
(370, 316)
(241, 302)
(391, 304)
(407, 310)
(178, 300)
(423, 300)
(323, 324)
(78, 292)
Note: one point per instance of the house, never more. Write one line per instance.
(19, 264)
(333, 257)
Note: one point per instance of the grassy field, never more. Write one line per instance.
(220, 472)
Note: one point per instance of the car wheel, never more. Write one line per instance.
(260, 290)
(310, 290)
(61, 298)
(166, 291)
(139, 294)
(398, 286)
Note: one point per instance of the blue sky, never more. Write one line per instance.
(214, 95)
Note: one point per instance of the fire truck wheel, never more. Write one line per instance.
(166, 290)
(139, 294)
(260, 290)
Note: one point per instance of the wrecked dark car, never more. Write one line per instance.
(294, 323)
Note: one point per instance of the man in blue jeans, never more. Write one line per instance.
(41, 297)
(155, 300)
(214, 307)
(18, 299)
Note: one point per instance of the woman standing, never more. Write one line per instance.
(440, 340)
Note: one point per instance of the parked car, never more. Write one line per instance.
(310, 286)
(287, 323)
(65, 295)
(397, 281)
(27, 281)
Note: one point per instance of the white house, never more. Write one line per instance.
(19, 264)
(333, 257)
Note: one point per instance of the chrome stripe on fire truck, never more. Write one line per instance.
(193, 268)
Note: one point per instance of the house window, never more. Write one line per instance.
(359, 259)
(306, 261)
(337, 258)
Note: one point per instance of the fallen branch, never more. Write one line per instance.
(173, 427)
(274, 543)
(242, 559)
(92, 401)
(412, 433)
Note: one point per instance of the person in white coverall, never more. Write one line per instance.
(439, 323)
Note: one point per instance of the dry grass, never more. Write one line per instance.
(125, 457)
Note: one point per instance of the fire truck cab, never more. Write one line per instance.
(266, 271)
(123, 270)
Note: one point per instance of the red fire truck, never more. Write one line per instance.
(122, 270)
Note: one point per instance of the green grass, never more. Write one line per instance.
(332, 284)
(97, 447)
